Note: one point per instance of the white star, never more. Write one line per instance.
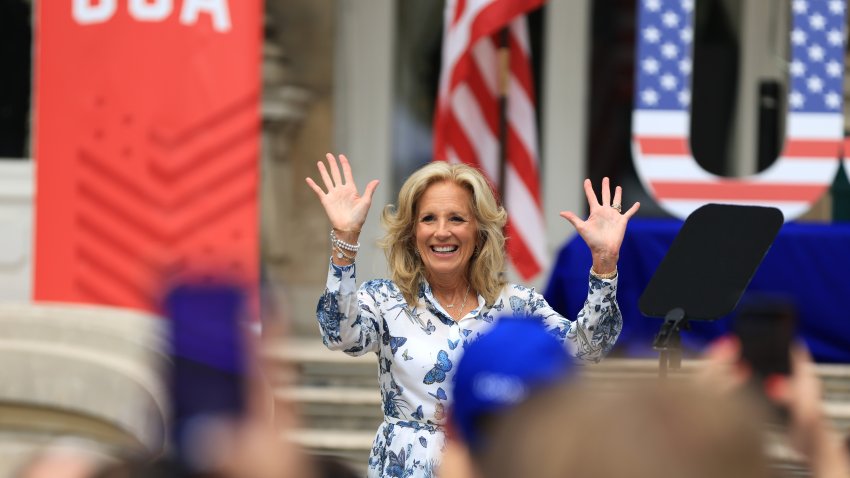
(686, 35)
(650, 65)
(834, 69)
(832, 100)
(796, 99)
(685, 66)
(670, 19)
(814, 84)
(836, 7)
(669, 50)
(797, 68)
(800, 6)
(652, 5)
(668, 81)
(835, 37)
(817, 21)
(684, 97)
(816, 53)
(649, 97)
(798, 37)
(688, 5)
(651, 34)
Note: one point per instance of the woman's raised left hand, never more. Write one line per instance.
(604, 228)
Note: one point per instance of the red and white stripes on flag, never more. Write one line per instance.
(466, 124)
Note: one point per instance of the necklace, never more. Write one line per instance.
(462, 304)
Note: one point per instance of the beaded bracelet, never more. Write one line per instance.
(342, 244)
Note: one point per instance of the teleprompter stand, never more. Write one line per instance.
(706, 270)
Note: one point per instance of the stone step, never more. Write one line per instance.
(334, 395)
(332, 439)
(340, 404)
(318, 366)
(335, 407)
(349, 446)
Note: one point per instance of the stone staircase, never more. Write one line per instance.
(336, 395)
(340, 404)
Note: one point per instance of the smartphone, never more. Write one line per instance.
(209, 365)
(765, 328)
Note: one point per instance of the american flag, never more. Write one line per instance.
(661, 117)
(466, 123)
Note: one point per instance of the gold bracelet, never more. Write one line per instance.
(609, 275)
(342, 255)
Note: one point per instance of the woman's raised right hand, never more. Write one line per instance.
(345, 207)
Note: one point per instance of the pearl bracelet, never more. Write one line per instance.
(342, 244)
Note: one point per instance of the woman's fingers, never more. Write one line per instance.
(570, 216)
(325, 176)
(315, 187)
(632, 210)
(606, 192)
(346, 169)
(370, 190)
(591, 196)
(334, 170)
(618, 196)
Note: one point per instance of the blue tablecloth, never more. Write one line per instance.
(810, 263)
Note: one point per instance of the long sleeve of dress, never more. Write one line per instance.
(347, 318)
(594, 332)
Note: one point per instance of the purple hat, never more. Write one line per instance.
(502, 368)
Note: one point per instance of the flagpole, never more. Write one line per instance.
(504, 77)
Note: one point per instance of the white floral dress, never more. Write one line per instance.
(419, 347)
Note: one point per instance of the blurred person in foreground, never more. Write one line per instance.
(642, 430)
(66, 457)
(445, 249)
(222, 421)
(783, 382)
(515, 360)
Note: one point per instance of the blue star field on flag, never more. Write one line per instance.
(664, 55)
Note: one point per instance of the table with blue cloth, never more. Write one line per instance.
(808, 263)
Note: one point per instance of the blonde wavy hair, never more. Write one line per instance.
(486, 266)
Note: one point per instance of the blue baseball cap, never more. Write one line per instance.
(502, 368)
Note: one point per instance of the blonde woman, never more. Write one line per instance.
(446, 253)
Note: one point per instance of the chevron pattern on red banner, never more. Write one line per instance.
(147, 143)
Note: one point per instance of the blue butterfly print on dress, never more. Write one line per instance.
(395, 468)
(438, 373)
(393, 342)
(440, 395)
(423, 442)
(518, 305)
(453, 344)
(418, 413)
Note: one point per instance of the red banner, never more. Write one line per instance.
(147, 133)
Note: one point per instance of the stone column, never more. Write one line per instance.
(297, 132)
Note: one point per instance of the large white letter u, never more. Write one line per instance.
(809, 159)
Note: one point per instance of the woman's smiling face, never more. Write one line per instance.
(446, 230)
